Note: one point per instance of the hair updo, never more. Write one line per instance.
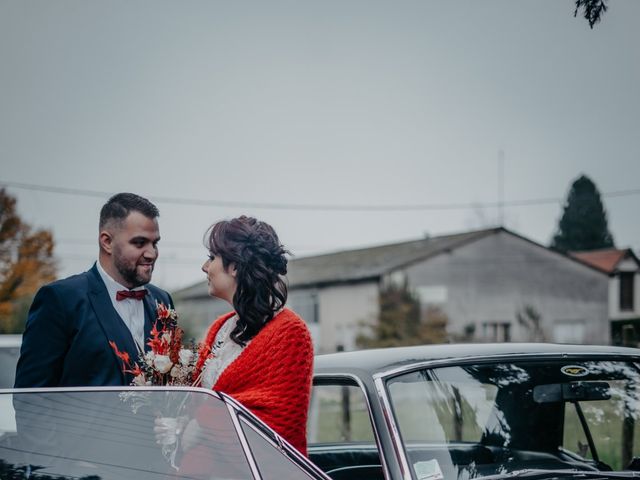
(259, 258)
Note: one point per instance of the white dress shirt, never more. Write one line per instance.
(130, 310)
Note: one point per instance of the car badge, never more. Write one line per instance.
(574, 371)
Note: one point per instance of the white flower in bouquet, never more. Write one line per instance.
(149, 357)
(162, 363)
(186, 356)
(141, 381)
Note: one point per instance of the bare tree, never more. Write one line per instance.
(531, 320)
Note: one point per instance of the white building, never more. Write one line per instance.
(623, 269)
(479, 279)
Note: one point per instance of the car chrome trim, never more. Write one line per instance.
(282, 444)
(279, 445)
(360, 383)
(403, 461)
(243, 440)
(456, 361)
(111, 389)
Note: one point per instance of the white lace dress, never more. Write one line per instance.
(224, 351)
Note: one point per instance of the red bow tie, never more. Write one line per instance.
(137, 294)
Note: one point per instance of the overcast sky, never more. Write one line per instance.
(316, 103)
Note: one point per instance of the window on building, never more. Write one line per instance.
(626, 290)
(496, 331)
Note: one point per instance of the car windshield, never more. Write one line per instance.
(147, 434)
(493, 418)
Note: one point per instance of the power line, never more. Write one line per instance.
(187, 245)
(94, 242)
(325, 207)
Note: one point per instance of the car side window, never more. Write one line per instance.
(338, 414)
(271, 462)
(110, 435)
(341, 439)
(612, 426)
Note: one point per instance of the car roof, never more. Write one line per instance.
(383, 359)
(9, 341)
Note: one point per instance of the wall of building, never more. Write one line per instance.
(483, 285)
(343, 312)
(334, 315)
(196, 314)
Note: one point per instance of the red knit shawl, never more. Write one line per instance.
(272, 375)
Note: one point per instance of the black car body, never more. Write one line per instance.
(471, 411)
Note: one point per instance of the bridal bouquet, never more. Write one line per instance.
(168, 362)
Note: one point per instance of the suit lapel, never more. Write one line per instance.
(149, 318)
(111, 323)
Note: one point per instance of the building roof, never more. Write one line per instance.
(369, 264)
(373, 262)
(606, 260)
(362, 264)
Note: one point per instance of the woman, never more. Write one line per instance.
(261, 353)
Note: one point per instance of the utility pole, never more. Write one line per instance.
(501, 188)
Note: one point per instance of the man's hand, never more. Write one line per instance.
(168, 429)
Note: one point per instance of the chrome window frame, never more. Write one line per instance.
(243, 414)
(376, 433)
(303, 467)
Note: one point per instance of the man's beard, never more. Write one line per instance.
(130, 273)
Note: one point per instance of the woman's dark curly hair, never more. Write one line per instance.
(259, 257)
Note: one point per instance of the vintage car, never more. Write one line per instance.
(108, 434)
(423, 413)
(471, 411)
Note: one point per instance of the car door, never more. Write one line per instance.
(112, 433)
(341, 437)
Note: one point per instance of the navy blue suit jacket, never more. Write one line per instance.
(66, 338)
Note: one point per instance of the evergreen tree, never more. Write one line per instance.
(583, 225)
(592, 10)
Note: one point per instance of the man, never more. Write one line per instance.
(71, 321)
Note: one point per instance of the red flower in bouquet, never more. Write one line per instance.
(168, 362)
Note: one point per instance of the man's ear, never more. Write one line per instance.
(106, 241)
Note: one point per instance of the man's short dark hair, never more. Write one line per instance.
(122, 204)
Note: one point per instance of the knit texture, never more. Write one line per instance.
(272, 375)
